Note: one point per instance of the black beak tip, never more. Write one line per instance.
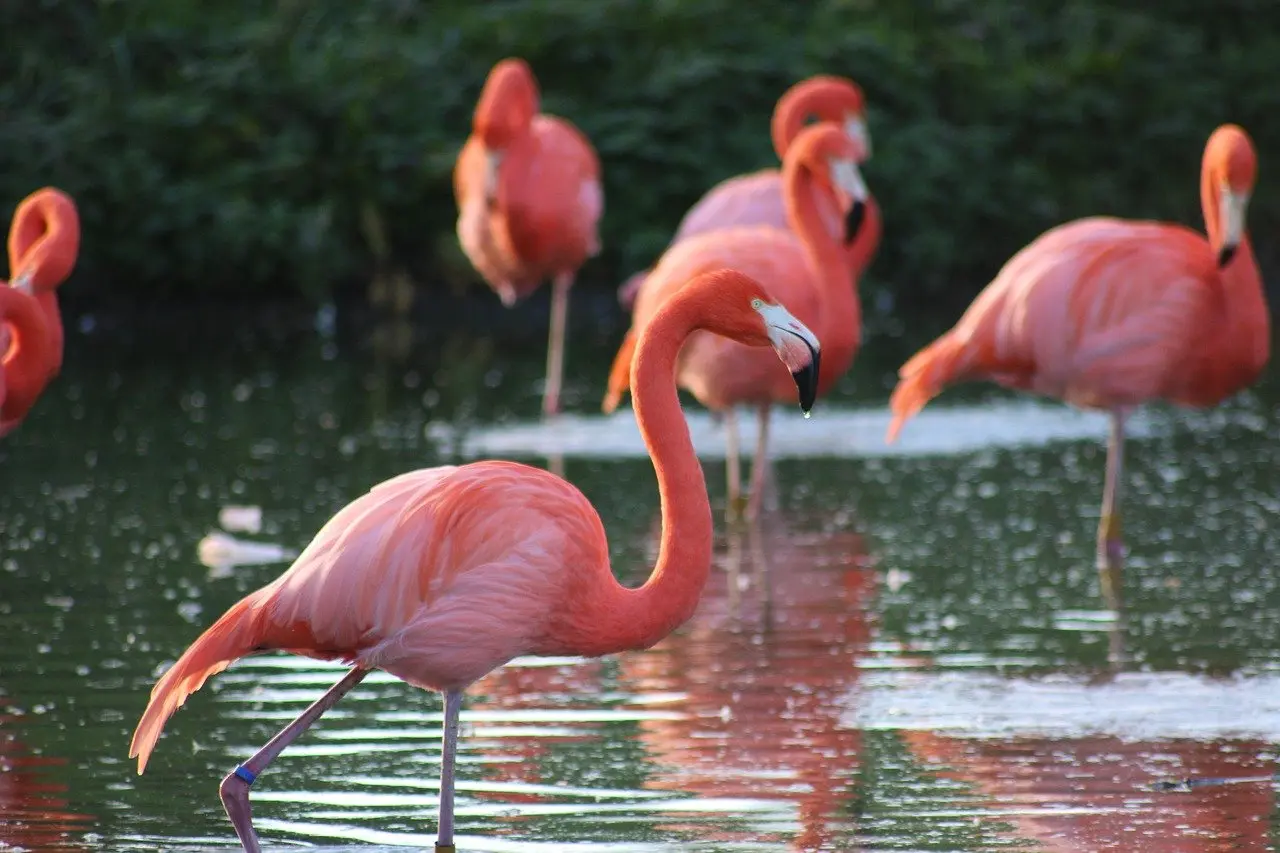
(853, 220)
(1225, 255)
(806, 379)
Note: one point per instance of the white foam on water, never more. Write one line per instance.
(831, 432)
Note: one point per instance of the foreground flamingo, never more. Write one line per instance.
(529, 200)
(1109, 314)
(440, 575)
(757, 198)
(807, 269)
(25, 363)
(44, 241)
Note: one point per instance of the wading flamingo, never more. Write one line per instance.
(24, 363)
(529, 202)
(44, 241)
(1108, 314)
(441, 575)
(807, 270)
(756, 198)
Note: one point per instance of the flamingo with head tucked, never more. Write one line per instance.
(440, 575)
(1109, 314)
(529, 202)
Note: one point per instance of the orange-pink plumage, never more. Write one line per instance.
(441, 575)
(1108, 314)
(529, 196)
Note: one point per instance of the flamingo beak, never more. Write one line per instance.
(1231, 214)
(855, 127)
(798, 348)
(492, 162)
(847, 177)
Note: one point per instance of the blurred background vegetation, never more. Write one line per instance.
(289, 149)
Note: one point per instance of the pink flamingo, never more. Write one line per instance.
(808, 270)
(529, 202)
(44, 241)
(441, 575)
(756, 198)
(25, 362)
(1108, 314)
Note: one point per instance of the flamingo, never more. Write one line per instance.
(44, 241)
(441, 575)
(808, 270)
(25, 361)
(529, 202)
(1109, 314)
(756, 198)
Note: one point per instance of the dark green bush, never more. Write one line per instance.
(243, 147)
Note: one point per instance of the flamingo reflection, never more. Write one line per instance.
(34, 814)
(1091, 794)
(763, 668)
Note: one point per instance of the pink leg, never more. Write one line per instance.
(760, 466)
(732, 465)
(448, 756)
(234, 789)
(1110, 540)
(555, 346)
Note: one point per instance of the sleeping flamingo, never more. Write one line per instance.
(529, 202)
(44, 241)
(756, 198)
(25, 361)
(1108, 314)
(440, 575)
(808, 270)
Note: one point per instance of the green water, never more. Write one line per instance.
(906, 656)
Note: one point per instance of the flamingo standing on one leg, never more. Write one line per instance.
(441, 575)
(529, 202)
(756, 198)
(26, 358)
(807, 268)
(1108, 314)
(44, 241)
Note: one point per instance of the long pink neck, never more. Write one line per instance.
(829, 265)
(641, 617)
(26, 363)
(1246, 319)
(44, 239)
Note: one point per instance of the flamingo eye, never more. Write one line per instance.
(757, 304)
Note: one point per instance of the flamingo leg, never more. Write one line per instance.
(1110, 539)
(760, 467)
(452, 709)
(234, 789)
(732, 464)
(555, 345)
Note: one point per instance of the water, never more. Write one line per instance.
(908, 655)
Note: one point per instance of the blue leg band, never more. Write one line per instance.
(246, 774)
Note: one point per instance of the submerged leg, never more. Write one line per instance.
(555, 345)
(732, 465)
(1110, 540)
(760, 465)
(452, 708)
(234, 789)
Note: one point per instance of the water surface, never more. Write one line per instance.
(908, 655)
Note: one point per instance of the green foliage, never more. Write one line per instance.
(246, 145)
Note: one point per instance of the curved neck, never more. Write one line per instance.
(641, 617)
(867, 241)
(829, 265)
(1245, 311)
(26, 363)
(44, 239)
